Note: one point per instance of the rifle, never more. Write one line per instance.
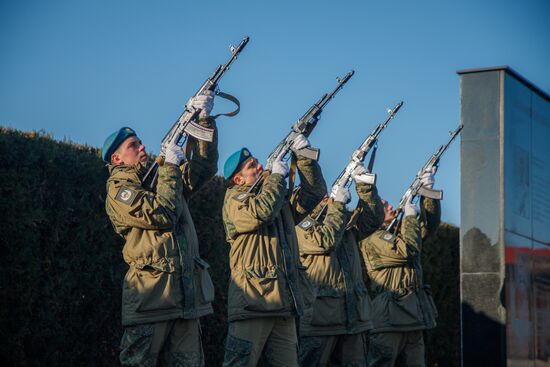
(416, 189)
(304, 125)
(186, 124)
(359, 155)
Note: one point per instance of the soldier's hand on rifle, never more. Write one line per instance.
(300, 142)
(362, 175)
(340, 193)
(203, 101)
(427, 178)
(280, 166)
(409, 208)
(174, 154)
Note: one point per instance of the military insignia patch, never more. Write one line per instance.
(241, 196)
(125, 195)
(388, 237)
(246, 153)
(306, 223)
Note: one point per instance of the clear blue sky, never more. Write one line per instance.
(81, 69)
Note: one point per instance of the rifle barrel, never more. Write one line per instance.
(415, 186)
(341, 83)
(235, 51)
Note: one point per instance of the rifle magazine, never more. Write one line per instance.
(309, 152)
(431, 193)
(199, 132)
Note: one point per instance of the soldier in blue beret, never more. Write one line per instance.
(234, 161)
(113, 142)
(167, 287)
(268, 288)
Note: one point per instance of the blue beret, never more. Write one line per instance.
(234, 161)
(114, 140)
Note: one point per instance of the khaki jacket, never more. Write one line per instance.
(330, 252)
(166, 278)
(267, 278)
(401, 301)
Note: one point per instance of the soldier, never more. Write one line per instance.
(335, 334)
(268, 287)
(167, 286)
(402, 304)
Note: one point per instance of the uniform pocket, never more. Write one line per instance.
(237, 352)
(136, 343)
(428, 305)
(306, 287)
(363, 304)
(204, 280)
(328, 308)
(380, 309)
(152, 285)
(404, 309)
(263, 291)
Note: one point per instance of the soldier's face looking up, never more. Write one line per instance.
(389, 213)
(131, 151)
(250, 171)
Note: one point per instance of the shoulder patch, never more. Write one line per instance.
(306, 223)
(388, 237)
(241, 197)
(126, 195)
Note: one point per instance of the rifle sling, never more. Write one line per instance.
(354, 217)
(229, 97)
(292, 173)
(191, 141)
(372, 157)
(189, 147)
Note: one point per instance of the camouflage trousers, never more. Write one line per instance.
(396, 349)
(270, 341)
(334, 350)
(167, 343)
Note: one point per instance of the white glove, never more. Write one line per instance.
(280, 167)
(409, 208)
(427, 178)
(340, 194)
(300, 142)
(174, 154)
(203, 101)
(362, 175)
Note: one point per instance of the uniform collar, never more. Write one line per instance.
(139, 168)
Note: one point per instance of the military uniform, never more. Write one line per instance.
(167, 286)
(402, 304)
(268, 288)
(335, 333)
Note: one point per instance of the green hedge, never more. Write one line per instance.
(62, 273)
(60, 283)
